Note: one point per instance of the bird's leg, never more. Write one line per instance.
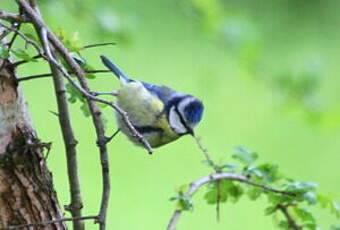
(108, 139)
(112, 93)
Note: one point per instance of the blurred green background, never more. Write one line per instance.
(267, 72)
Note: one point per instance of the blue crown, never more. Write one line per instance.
(194, 111)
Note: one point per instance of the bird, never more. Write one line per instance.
(160, 114)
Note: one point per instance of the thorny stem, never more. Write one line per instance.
(205, 152)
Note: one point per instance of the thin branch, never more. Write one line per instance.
(27, 40)
(10, 17)
(50, 74)
(17, 27)
(112, 93)
(44, 223)
(4, 34)
(205, 152)
(16, 64)
(95, 112)
(38, 76)
(98, 44)
(194, 186)
(291, 222)
(68, 136)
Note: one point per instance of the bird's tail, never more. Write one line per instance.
(122, 77)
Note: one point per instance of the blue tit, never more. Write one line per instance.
(159, 113)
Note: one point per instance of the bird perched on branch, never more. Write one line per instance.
(159, 113)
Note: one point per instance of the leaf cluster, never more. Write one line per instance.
(294, 199)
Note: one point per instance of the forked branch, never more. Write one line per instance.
(196, 185)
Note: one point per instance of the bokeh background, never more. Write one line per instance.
(267, 72)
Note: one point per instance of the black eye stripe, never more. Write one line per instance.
(181, 119)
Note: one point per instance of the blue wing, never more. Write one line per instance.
(162, 92)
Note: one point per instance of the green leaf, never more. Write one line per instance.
(284, 225)
(184, 203)
(215, 195)
(304, 215)
(220, 191)
(254, 193)
(228, 166)
(74, 94)
(90, 76)
(85, 108)
(270, 172)
(310, 197)
(311, 226)
(32, 37)
(267, 173)
(235, 192)
(20, 53)
(182, 189)
(4, 53)
(300, 187)
(270, 210)
(101, 105)
(245, 155)
(276, 199)
(71, 42)
(83, 64)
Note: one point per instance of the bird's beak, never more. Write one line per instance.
(191, 132)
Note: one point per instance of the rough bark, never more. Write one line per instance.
(26, 189)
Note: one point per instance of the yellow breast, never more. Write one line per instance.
(144, 109)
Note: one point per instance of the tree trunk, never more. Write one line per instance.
(26, 189)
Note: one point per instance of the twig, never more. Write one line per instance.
(68, 137)
(194, 186)
(205, 152)
(16, 64)
(17, 27)
(4, 34)
(27, 40)
(218, 200)
(10, 17)
(95, 112)
(38, 76)
(50, 74)
(44, 223)
(98, 44)
(291, 222)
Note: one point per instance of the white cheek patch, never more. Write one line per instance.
(175, 122)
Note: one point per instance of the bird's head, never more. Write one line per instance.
(184, 114)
